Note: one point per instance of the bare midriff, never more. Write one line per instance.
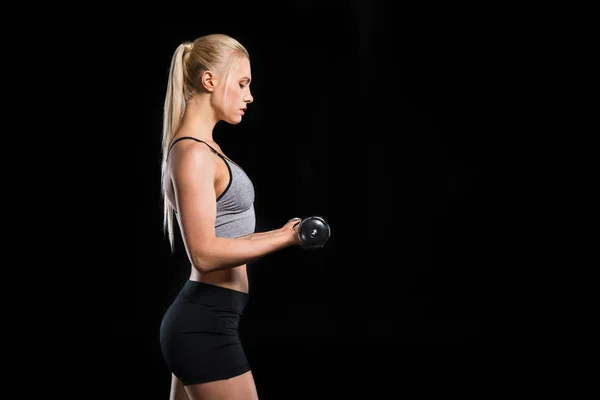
(232, 278)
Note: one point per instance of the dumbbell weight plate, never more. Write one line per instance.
(313, 232)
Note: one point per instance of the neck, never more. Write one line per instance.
(199, 119)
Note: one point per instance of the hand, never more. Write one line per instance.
(292, 227)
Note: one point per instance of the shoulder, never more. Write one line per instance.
(189, 154)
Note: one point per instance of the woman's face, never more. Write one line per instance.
(235, 92)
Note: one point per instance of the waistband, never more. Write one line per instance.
(213, 295)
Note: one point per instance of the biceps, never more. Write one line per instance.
(196, 205)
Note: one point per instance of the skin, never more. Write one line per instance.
(197, 177)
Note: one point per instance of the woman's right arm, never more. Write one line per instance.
(192, 173)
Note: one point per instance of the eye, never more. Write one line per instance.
(242, 85)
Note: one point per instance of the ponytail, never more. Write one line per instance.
(174, 107)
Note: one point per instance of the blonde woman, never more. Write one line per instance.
(212, 199)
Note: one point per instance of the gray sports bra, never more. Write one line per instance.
(235, 206)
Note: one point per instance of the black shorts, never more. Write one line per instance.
(199, 333)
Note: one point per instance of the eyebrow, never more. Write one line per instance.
(247, 79)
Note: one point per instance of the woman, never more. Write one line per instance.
(213, 201)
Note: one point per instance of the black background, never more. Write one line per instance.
(357, 117)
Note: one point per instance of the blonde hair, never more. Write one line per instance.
(214, 52)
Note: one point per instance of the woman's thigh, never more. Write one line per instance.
(241, 387)
(177, 390)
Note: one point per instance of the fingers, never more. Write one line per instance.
(298, 220)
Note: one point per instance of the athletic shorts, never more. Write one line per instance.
(199, 333)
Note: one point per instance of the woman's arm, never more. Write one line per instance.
(192, 173)
(260, 235)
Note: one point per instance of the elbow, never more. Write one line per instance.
(202, 260)
(202, 263)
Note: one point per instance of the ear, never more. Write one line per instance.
(208, 81)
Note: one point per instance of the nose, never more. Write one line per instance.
(248, 98)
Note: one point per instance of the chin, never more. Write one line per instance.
(235, 121)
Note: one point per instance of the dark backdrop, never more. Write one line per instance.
(353, 121)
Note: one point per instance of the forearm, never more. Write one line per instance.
(224, 253)
(261, 235)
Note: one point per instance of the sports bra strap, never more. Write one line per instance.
(197, 140)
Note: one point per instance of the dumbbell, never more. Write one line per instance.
(313, 232)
